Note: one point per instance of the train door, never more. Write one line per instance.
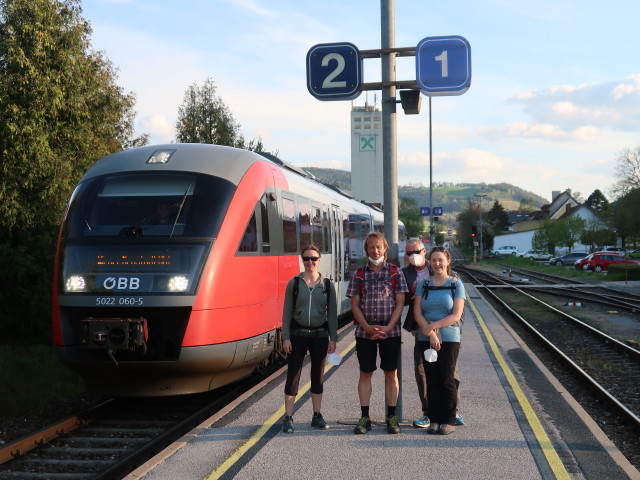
(338, 266)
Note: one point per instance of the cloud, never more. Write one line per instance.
(611, 105)
(157, 125)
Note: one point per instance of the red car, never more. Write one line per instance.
(600, 261)
(581, 263)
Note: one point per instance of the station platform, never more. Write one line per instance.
(520, 423)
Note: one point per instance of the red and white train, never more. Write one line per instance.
(172, 263)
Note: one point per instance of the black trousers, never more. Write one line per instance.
(317, 348)
(442, 391)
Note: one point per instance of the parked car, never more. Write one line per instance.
(567, 258)
(634, 254)
(581, 263)
(504, 251)
(535, 255)
(602, 260)
(618, 250)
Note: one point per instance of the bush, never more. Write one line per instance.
(623, 272)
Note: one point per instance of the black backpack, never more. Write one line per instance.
(451, 288)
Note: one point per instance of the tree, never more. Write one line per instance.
(409, 213)
(569, 231)
(497, 217)
(594, 234)
(527, 204)
(627, 171)
(625, 214)
(597, 201)
(543, 237)
(203, 117)
(60, 110)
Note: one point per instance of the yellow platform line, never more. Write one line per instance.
(264, 428)
(545, 443)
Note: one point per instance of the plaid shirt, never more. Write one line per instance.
(378, 300)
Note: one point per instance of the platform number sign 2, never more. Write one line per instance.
(334, 71)
(443, 65)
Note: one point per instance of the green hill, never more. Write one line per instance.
(451, 197)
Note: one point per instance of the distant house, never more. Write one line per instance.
(562, 205)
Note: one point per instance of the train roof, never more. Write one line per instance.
(222, 161)
(226, 162)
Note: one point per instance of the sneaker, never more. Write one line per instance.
(318, 422)
(422, 422)
(433, 428)
(446, 429)
(364, 425)
(459, 419)
(392, 424)
(287, 424)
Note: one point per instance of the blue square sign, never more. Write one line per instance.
(443, 65)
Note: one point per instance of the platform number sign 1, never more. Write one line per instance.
(443, 65)
(334, 71)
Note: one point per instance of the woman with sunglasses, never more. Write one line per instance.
(309, 324)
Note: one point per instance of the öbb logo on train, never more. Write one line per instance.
(121, 283)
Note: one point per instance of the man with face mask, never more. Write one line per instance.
(417, 269)
(377, 292)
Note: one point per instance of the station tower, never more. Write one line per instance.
(366, 154)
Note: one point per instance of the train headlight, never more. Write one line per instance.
(178, 283)
(76, 283)
(161, 156)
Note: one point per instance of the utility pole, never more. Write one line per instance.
(481, 196)
(389, 129)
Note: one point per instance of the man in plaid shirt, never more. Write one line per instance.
(377, 303)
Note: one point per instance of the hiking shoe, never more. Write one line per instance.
(287, 424)
(459, 419)
(318, 422)
(446, 429)
(364, 425)
(433, 428)
(392, 424)
(422, 422)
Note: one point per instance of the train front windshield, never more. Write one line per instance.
(141, 233)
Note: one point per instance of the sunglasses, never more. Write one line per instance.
(414, 251)
(312, 259)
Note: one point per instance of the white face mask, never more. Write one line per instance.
(376, 262)
(416, 260)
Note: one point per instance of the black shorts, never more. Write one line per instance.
(367, 352)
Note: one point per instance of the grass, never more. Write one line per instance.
(31, 377)
(616, 273)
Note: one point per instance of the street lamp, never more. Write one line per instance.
(481, 197)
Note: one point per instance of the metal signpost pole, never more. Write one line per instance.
(389, 131)
(389, 139)
(431, 236)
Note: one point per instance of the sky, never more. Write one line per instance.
(554, 96)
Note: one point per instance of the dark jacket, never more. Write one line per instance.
(410, 274)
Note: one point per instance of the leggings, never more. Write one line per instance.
(317, 347)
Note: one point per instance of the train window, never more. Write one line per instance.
(316, 228)
(264, 214)
(305, 221)
(249, 242)
(325, 228)
(289, 226)
(159, 204)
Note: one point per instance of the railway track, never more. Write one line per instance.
(108, 441)
(607, 369)
(112, 439)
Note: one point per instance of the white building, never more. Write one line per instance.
(366, 154)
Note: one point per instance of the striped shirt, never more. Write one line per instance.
(378, 300)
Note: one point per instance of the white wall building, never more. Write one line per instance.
(366, 154)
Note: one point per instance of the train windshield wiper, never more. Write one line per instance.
(184, 198)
